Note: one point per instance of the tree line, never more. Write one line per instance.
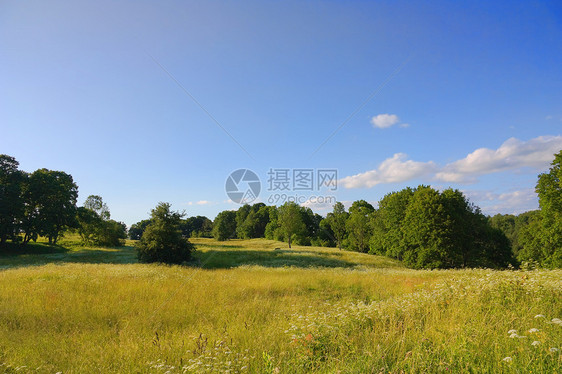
(420, 226)
(423, 227)
(536, 236)
(43, 203)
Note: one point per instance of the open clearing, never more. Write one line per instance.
(245, 306)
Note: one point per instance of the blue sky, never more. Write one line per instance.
(467, 95)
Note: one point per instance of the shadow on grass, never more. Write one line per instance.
(17, 249)
(33, 254)
(225, 259)
(214, 245)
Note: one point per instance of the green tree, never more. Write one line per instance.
(50, 198)
(273, 229)
(311, 222)
(89, 223)
(531, 239)
(358, 225)
(137, 229)
(224, 226)
(444, 230)
(162, 240)
(290, 220)
(198, 226)
(544, 242)
(260, 219)
(426, 230)
(337, 221)
(252, 220)
(96, 204)
(11, 200)
(386, 223)
(243, 229)
(111, 234)
(325, 236)
(515, 228)
(95, 227)
(506, 223)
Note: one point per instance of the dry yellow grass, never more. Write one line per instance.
(251, 308)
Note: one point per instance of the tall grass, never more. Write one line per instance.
(251, 308)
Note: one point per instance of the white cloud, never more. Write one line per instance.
(200, 202)
(322, 207)
(383, 121)
(512, 154)
(514, 202)
(392, 170)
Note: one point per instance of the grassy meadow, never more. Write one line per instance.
(257, 306)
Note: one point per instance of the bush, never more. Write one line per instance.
(96, 231)
(162, 240)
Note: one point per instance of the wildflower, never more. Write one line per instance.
(512, 332)
(557, 321)
(513, 335)
(535, 343)
(539, 316)
(533, 330)
(507, 359)
(553, 349)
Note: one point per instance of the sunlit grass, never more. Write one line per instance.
(247, 307)
(271, 253)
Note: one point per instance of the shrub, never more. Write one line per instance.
(162, 240)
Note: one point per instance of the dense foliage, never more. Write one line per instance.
(11, 199)
(42, 203)
(225, 225)
(430, 229)
(162, 240)
(542, 239)
(95, 226)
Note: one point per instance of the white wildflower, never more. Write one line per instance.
(535, 343)
(512, 332)
(557, 321)
(507, 359)
(553, 349)
(539, 316)
(533, 330)
(513, 335)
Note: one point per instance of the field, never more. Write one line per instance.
(257, 306)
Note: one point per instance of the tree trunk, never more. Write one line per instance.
(339, 245)
(289, 241)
